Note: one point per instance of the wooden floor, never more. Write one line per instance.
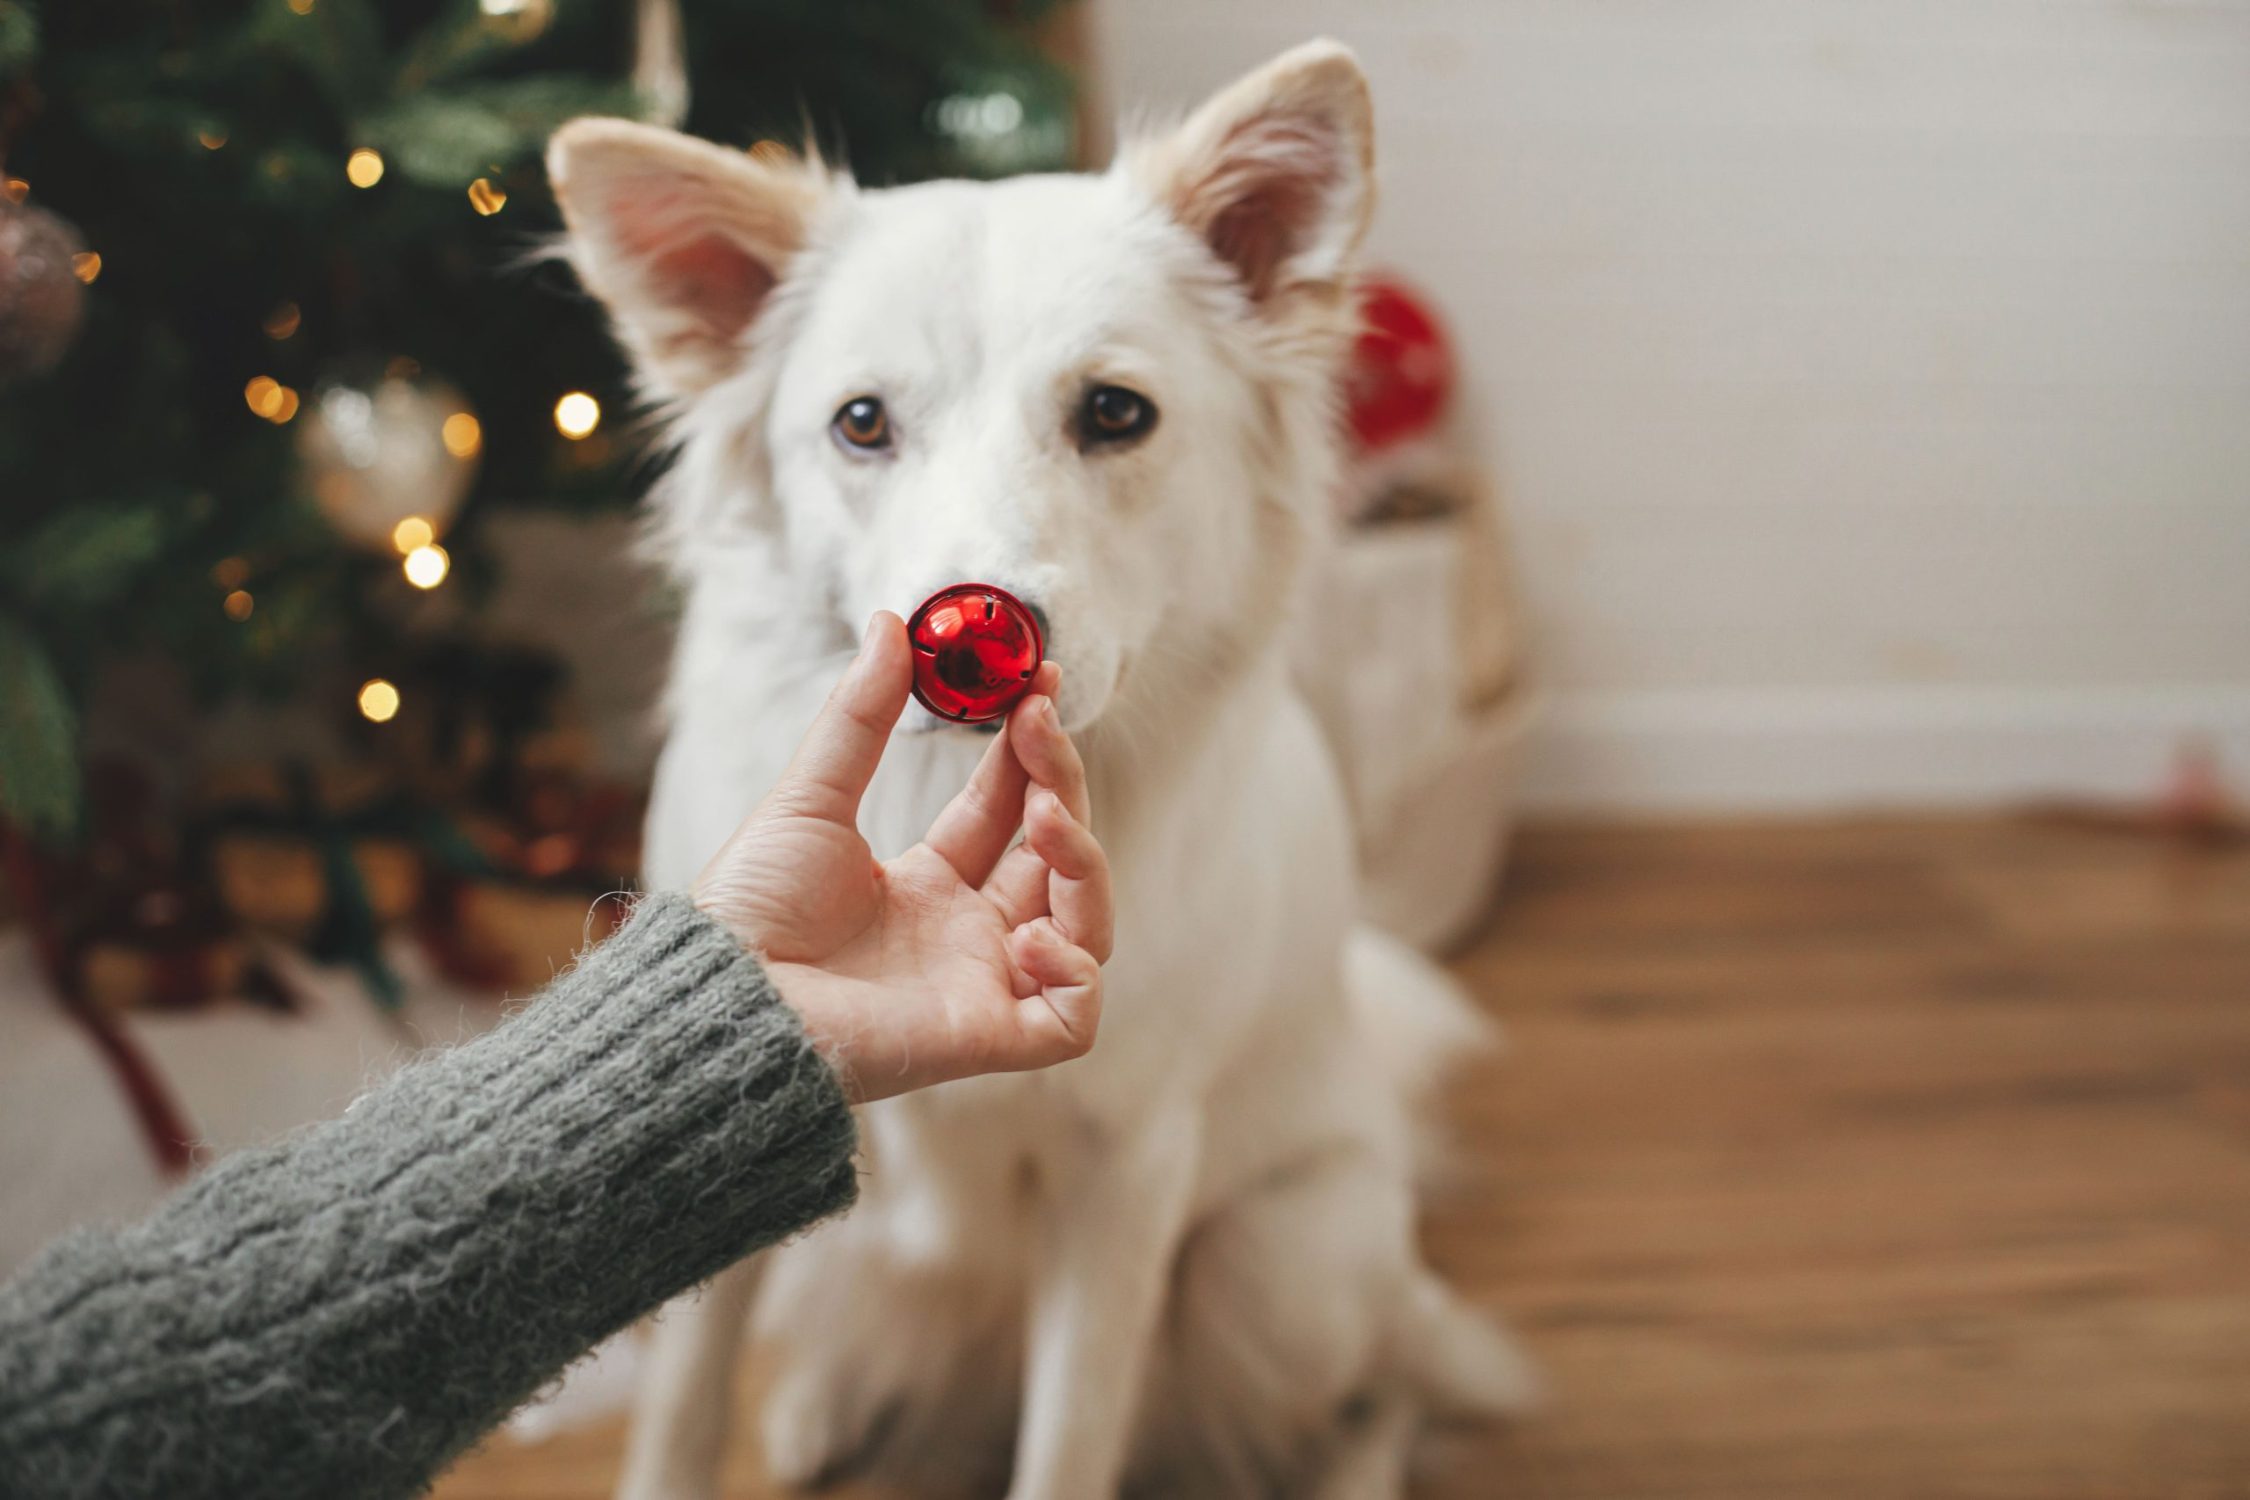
(1846, 1160)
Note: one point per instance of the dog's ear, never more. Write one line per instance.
(682, 239)
(1275, 172)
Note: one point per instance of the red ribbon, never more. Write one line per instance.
(163, 1126)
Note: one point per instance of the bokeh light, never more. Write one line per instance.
(378, 700)
(427, 565)
(577, 415)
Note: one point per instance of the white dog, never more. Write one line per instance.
(1186, 1263)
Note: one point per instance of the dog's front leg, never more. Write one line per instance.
(1105, 1261)
(679, 1432)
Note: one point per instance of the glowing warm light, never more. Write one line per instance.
(231, 572)
(238, 605)
(283, 321)
(411, 533)
(462, 434)
(301, 7)
(426, 566)
(485, 198)
(86, 265)
(364, 167)
(14, 189)
(577, 414)
(211, 140)
(378, 701)
(270, 399)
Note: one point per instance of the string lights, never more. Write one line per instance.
(426, 566)
(378, 700)
(577, 415)
(462, 435)
(270, 399)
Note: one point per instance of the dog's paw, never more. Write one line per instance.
(820, 1428)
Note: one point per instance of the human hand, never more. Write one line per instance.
(962, 955)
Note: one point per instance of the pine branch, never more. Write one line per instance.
(39, 785)
(19, 37)
(87, 557)
(445, 139)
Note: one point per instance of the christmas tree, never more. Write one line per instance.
(274, 329)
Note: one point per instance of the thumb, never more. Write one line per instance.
(839, 753)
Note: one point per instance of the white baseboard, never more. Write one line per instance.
(1872, 748)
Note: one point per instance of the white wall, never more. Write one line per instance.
(1871, 381)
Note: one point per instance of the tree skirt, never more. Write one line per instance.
(72, 1150)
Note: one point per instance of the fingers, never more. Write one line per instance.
(839, 754)
(1060, 1021)
(1025, 886)
(1078, 890)
(1046, 752)
(977, 826)
(1019, 886)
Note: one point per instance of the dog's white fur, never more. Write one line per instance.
(1186, 1261)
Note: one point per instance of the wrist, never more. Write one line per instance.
(827, 1018)
(726, 907)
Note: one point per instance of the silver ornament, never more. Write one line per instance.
(377, 453)
(41, 299)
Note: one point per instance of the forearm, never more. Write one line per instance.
(342, 1313)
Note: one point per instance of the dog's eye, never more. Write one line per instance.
(1113, 414)
(863, 423)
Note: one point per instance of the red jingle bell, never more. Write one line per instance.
(976, 649)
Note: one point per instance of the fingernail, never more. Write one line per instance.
(1055, 805)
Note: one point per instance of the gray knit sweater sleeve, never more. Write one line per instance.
(340, 1314)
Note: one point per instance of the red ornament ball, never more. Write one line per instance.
(976, 649)
(1401, 373)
